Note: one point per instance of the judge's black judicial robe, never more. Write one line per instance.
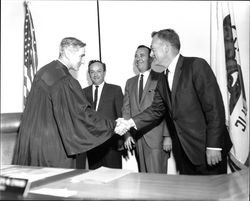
(58, 122)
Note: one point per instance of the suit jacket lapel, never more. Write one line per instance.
(135, 89)
(163, 89)
(146, 88)
(89, 94)
(176, 77)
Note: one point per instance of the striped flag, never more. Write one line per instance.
(30, 52)
(227, 67)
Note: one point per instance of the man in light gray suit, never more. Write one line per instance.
(152, 144)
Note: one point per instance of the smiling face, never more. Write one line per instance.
(97, 73)
(142, 59)
(159, 50)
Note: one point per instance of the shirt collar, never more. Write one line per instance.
(146, 73)
(100, 85)
(173, 64)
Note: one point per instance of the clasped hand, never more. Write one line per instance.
(122, 126)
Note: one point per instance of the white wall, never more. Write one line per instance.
(124, 26)
(12, 21)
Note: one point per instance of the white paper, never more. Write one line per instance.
(60, 192)
(32, 174)
(100, 175)
(130, 162)
(5, 166)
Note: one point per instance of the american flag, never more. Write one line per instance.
(30, 52)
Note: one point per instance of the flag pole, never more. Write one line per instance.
(99, 31)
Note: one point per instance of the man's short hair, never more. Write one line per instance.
(71, 42)
(168, 35)
(144, 46)
(97, 61)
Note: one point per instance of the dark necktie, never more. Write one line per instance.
(96, 96)
(140, 87)
(168, 88)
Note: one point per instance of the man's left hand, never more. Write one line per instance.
(213, 156)
(167, 144)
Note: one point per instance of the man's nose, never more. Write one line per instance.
(152, 54)
(95, 74)
(138, 58)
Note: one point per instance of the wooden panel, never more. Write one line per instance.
(10, 123)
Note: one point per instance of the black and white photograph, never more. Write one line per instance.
(124, 100)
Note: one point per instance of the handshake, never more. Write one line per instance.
(123, 126)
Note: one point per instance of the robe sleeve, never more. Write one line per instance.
(126, 108)
(80, 128)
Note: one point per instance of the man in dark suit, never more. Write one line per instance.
(107, 101)
(153, 143)
(190, 100)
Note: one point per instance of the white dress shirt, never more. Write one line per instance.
(171, 68)
(145, 78)
(99, 93)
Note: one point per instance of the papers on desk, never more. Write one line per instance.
(5, 166)
(32, 174)
(64, 192)
(100, 175)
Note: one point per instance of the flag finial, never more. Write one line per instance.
(27, 2)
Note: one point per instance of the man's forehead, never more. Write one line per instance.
(76, 50)
(96, 64)
(142, 50)
(156, 41)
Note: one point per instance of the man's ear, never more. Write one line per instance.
(166, 46)
(150, 60)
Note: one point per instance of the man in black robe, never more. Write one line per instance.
(58, 122)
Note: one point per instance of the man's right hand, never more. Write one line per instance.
(122, 126)
(128, 144)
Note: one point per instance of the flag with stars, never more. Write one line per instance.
(30, 52)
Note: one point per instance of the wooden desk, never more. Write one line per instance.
(144, 186)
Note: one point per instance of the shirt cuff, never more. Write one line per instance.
(212, 148)
(132, 123)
